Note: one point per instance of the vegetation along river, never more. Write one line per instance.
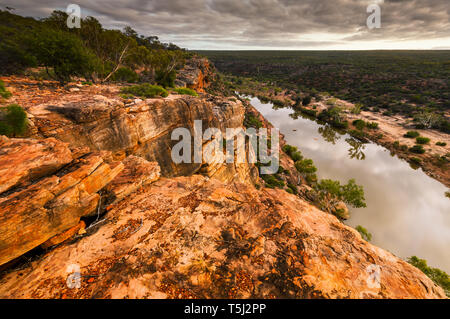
(407, 212)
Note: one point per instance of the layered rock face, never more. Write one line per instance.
(141, 128)
(198, 237)
(197, 74)
(36, 209)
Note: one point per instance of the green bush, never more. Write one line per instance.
(359, 124)
(306, 100)
(186, 91)
(166, 79)
(272, 181)
(251, 120)
(292, 152)
(13, 120)
(125, 74)
(411, 134)
(293, 189)
(422, 140)
(441, 144)
(356, 109)
(145, 90)
(364, 233)
(438, 276)
(415, 160)
(305, 166)
(278, 103)
(372, 125)
(418, 149)
(4, 93)
(351, 193)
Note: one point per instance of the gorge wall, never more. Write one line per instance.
(162, 230)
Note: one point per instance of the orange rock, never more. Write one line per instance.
(52, 205)
(22, 160)
(184, 231)
(64, 236)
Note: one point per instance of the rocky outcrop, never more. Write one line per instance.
(142, 129)
(49, 205)
(197, 74)
(194, 237)
(22, 160)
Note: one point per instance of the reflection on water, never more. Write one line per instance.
(329, 134)
(356, 149)
(407, 211)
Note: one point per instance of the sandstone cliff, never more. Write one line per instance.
(141, 128)
(197, 74)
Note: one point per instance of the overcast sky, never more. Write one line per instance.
(268, 24)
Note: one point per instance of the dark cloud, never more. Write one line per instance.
(264, 23)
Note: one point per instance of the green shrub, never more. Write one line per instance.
(293, 188)
(292, 152)
(351, 193)
(251, 120)
(362, 136)
(272, 181)
(306, 100)
(372, 125)
(441, 144)
(415, 161)
(422, 140)
(4, 93)
(13, 120)
(308, 112)
(359, 124)
(145, 90)
(166, 79)
(186, 91)
(125, 74)
(305, 166)
(356, 109)
(438, 276)
(278, 103)
(411, 134)
(364, 233)
(418, 149)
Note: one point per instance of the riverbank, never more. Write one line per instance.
(406, 210)
(390, 131)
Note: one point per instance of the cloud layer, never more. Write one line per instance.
(269, 24)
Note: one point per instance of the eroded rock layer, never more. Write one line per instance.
(198, 237)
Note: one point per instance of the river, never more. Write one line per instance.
(407, 212)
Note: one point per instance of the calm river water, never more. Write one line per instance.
(407, 212)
